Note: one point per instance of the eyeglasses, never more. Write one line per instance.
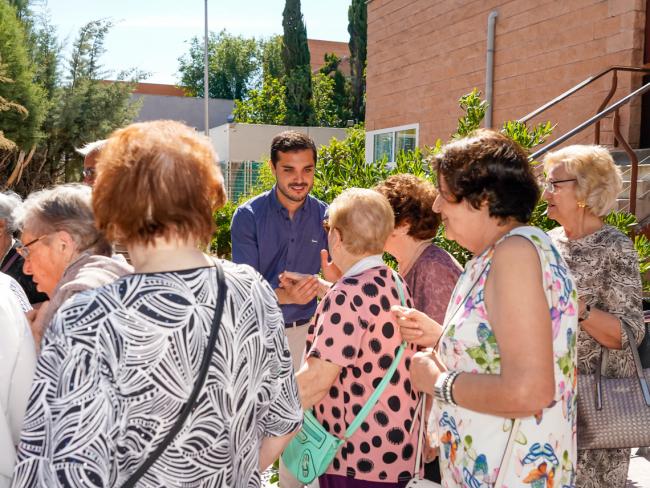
(23, 250)
(550, 185)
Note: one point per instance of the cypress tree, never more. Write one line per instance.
(297, 67)
(358, 29)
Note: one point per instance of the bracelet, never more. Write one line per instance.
(585, 315)
(443, 387)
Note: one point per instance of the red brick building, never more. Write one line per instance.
(423, 55)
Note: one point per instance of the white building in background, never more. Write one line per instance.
(243, 148)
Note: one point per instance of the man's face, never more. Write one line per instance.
(294, 174)
(89, 167)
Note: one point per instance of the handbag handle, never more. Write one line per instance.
(198, 383)
(643, 382)
(363, 413)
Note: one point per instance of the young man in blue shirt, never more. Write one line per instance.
(281, 230)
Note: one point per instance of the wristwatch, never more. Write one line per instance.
(585, 313)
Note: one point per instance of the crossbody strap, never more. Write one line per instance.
(198, 384)
(361, 416)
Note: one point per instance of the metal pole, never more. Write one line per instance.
(489, 68)
(206, 97)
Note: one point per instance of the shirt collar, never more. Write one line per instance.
(365, 264)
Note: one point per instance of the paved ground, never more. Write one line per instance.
(639, 474)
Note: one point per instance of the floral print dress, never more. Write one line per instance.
(472, 444)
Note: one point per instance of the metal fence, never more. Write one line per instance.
(240, 177)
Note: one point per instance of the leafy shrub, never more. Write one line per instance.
(341, 165)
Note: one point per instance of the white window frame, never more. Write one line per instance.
(370, 139)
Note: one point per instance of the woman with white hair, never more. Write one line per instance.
(11, 262)
(581, 188)
(63, 250)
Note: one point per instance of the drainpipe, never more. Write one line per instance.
(489, 67)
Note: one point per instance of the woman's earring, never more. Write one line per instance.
(582, 204)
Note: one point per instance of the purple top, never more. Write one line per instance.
(432, 280)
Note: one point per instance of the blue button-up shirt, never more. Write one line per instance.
(264, 237)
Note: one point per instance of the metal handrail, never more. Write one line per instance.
(601, 113)
(579, 87)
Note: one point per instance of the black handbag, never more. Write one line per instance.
(614, 413)
(198, 384)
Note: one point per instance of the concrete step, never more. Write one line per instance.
(642, 188)
(621, 158)
(642, 174)
(642, 206)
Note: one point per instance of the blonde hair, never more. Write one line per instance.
(364, 218)
(598, 178)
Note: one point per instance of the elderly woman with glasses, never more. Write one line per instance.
(505, 350)
(581, 188)
(62, 248)
(353, 341)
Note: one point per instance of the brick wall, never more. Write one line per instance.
(423, 55)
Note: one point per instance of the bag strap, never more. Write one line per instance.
(643, 382)
(363, 413)
(9, 262)
(198, 383)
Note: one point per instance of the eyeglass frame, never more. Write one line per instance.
(23, 249)
(549, 185)
(328, 228)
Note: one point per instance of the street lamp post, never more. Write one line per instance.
(206, 98)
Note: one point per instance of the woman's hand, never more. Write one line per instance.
(417, 327)
(425, 369)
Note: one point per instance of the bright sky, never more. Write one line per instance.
(151, 35)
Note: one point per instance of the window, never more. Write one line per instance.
(388, 143)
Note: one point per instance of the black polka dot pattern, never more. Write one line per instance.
(354, 329)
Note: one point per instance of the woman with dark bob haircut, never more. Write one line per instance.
(120, 362)
(506, 348)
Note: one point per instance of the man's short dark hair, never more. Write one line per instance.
(290, 141)
(490, 167)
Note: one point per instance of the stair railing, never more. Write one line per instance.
(602, 112)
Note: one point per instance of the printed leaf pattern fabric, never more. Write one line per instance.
(118, 364)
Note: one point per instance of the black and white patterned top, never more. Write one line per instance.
(118, 363)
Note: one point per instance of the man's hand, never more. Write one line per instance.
(298, 292)
(331, 271)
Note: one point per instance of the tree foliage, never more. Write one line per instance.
(80, 107)
(232, 66)
(265, 105)
(19, 126)
(358, 29)
(297, 67)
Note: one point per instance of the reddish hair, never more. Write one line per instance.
(157, 179)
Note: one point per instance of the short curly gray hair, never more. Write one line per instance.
(599, 180)
(9, 202)
(63, 208)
